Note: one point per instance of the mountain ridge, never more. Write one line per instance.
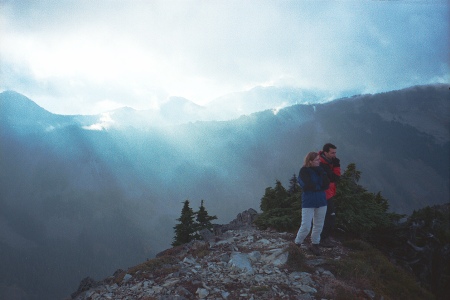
(176, 106)
(64, 187)
(238, 261)
(179, 110)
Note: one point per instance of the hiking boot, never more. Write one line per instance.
(300, 246)
(327, 243)
(314, 248)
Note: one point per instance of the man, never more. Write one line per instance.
(331, 164)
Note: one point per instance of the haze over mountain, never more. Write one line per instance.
(85, 195)
(178, 110)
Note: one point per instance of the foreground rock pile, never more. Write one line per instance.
(242, 263)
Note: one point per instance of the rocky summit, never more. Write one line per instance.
(238, 263)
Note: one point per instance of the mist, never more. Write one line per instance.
(78, 202)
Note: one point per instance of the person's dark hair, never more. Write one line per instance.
(328, 146)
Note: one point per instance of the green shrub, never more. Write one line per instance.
(281, 208)
(435, 220)
(360, 212)
(370, 267)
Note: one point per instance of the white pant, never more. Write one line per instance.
(317, 216)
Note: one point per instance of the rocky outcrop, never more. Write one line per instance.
(85, 285)
(240, 263)
(243, 220)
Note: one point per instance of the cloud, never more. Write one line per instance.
(69, 55)
(104, 123)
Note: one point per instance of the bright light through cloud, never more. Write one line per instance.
(105, 122)
(77, 57)
(277, 109)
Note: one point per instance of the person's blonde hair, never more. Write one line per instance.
(309, 158)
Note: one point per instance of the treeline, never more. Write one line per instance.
(420, 243)
(359, 212)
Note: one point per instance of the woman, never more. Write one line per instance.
(314, 181)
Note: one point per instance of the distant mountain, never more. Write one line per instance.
(20, 112)
(175, 111)
(260, 98)
(180, 110)
(89, 194)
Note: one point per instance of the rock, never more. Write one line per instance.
(127, 277)
(244, 263)
(202, 293)
(254, 256)
(207, 235)
(225, 295)
(85, 285)
(308, 289)
(278, 257)
(243, 220)
(241, 261)
(370, 293)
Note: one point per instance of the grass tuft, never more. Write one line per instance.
(199, 249)
(369, 268)
(297, 260)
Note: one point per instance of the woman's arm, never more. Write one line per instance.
(308, 183)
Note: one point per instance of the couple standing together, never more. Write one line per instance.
(318, 178)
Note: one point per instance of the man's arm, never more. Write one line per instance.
(336, 169)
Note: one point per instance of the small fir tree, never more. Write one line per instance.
(185, 231)
(274, 197)
(281, 209)
(204, 219)
(294, 186)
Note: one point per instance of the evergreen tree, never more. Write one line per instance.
(281, 209)
(274, 197)
(358, 211)
(185, 231)
(294, 186)
(204, 219)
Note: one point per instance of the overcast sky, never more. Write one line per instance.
(90, 56)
